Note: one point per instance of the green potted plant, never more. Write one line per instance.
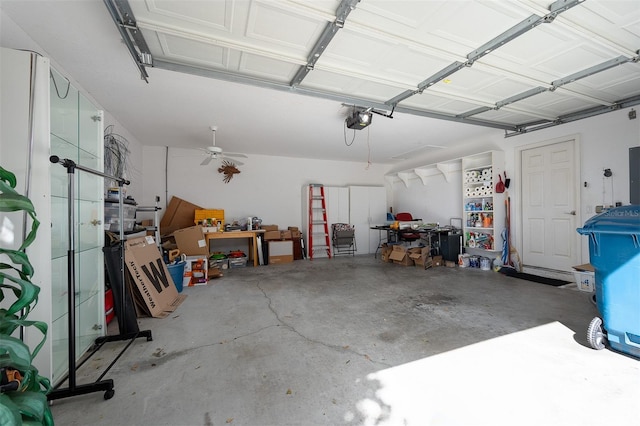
(23, 392)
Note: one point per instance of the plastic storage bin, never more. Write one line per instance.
(614, 252)
(237, 262)
(111, 216)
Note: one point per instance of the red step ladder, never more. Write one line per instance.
(318, 226)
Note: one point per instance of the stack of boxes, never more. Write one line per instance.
(419, 257)
(283, 246)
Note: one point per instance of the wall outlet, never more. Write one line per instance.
(588, 209)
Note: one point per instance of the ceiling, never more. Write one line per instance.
(279, 77)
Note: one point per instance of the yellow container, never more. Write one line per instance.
(203, 214)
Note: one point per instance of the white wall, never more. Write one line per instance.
(267, 187)
(436, 202)
(604, 143)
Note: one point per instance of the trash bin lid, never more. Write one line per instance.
(618, 220)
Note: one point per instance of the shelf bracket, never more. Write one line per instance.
(422, 174)
(444, 169)
(404, 177)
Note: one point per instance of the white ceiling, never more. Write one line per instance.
(238, 59)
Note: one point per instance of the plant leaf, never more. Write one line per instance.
(8, 324)
(18, 352)
(32, 405)
(27, 296)
(20, 258)
(9, 411)
(11, 201)
(7, 176)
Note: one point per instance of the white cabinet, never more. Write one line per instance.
(68, 125)
(483, 216)
(337, 199)
(367, 208)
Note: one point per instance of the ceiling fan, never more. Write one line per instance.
(214, 152)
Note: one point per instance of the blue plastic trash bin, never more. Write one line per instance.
(177, 273)
(614, 252)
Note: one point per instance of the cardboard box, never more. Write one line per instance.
(269, 227)
(191, 241)
(272, 235)
(214, 272)
(400, 256)
(450, 264)
(420, 257)
(285, 235)
(437, 261)
(156, 296)
(280, 252)
(385, 251)
(296, 235)
(585, 277)
(179, 214)
(196, 271)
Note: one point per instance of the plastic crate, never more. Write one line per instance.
(114, 225)
(219, 263)
(237, 262)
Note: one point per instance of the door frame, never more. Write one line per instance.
(577, 156)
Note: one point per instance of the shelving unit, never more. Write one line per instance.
(483, 208)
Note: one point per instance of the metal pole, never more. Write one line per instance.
(71, 274)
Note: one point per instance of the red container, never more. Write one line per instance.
(109, 312)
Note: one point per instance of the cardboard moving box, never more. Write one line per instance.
(400, 256)
(191, 241)
(179, 214)
(280, 252)
(157, 296)
(421, 257)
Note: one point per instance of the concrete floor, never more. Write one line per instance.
(353, 341)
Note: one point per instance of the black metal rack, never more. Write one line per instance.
(99, 385)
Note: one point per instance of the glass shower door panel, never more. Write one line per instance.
(90, 187)
(59, 287)
(90, 323)
(64, 108)
(90, 130)
(59, 227)
(59, 179)
(89, 227)
(90, 271)
(59, 335)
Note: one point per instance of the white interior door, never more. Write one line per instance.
(549, 202)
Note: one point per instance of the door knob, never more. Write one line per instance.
(572, 212)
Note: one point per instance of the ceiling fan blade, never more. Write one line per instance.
(234, 154)
(206, 161)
